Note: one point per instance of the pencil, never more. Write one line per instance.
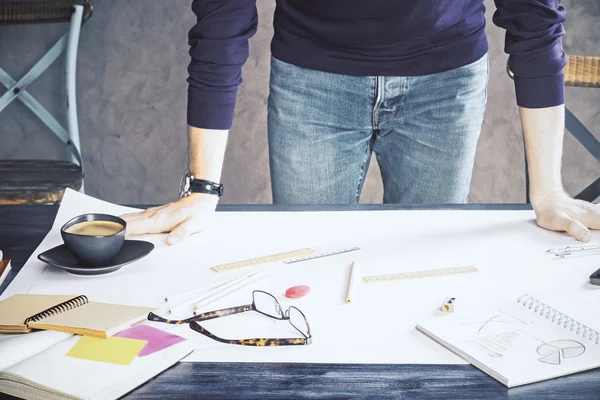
(350, 283)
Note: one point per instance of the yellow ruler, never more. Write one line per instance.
(263, 260)
(420, 274)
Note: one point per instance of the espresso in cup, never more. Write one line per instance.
(95, 228)
(94, 238)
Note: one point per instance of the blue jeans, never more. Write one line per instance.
(323, 128)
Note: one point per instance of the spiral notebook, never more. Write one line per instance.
(532, 340)
(74, 314)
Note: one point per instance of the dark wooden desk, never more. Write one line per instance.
(22, 228)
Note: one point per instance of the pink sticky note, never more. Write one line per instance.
(157, 339)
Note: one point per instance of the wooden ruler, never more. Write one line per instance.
(291, 257)
(420, 274)
(263, 260)
(322, 255)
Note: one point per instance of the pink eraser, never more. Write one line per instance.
(297, 291)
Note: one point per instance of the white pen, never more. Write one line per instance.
(209, 299)
(211, 292)
(190, 301)
(198, 290)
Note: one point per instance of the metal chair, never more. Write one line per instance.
(581, 71)
(31, 181)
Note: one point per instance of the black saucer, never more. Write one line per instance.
(61, 257)
(595, 278)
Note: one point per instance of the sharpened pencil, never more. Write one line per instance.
(350, 283)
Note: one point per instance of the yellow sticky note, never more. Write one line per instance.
(113, 350)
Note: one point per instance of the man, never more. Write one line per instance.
(405, 79)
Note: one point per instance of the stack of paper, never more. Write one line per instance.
(57, 365)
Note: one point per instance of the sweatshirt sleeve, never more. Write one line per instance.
(534, 43)
(218, 49)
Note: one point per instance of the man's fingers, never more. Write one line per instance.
(163, 220)
(133, 217)
(182, 232)
(561, 221)
(144, 221)
(143, 226)
(180, 218)
(142, 214)
(592, 217)
(579, 231)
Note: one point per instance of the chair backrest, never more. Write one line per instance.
(40, 11)
(583, 71)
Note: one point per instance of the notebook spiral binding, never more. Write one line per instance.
(59, 308)
(567, 322)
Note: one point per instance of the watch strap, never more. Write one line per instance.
(207, 187)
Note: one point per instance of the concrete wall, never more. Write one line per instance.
(132, 102)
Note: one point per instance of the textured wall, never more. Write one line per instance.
(132, 102)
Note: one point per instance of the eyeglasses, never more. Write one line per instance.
(263, 303)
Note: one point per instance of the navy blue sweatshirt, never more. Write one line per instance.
(372, 37)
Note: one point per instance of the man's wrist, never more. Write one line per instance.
(538, 197)
(204, 198)
(200, 174)
(206, 153)
(192, 184)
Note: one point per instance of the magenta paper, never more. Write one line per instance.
(157, 339)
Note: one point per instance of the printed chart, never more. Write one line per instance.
(554, 352)
(496, 345)
(501, 321)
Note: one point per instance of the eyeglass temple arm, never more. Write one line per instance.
(202, 317)
(252, 341)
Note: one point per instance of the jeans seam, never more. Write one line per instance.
(361, 176)
(487, 79)
(382, 172)
(378, 99)
(403, 101)
(399, 111)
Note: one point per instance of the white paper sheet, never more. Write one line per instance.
(378, 327)
(16, 348)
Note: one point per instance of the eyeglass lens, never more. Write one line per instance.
(267, 304)
(299, 322)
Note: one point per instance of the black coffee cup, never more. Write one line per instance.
(94, 238)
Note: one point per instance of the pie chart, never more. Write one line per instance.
(554, 352)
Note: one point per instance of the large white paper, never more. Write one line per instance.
(378, 327)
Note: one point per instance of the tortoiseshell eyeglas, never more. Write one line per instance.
(263, 303)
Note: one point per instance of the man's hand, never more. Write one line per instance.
(191, 214)
(188, 215)
(555, 210)
(559, 212)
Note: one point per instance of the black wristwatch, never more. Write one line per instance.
(190, 185)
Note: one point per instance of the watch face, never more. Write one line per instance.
(184, 186)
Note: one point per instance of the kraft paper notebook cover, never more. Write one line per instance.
(73, 314)
(15, 310)
(531, 340)
(37, 368)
